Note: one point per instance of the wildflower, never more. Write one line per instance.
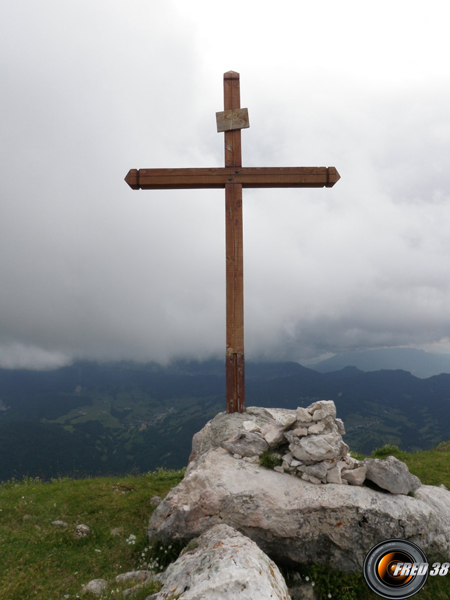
(306, 578)
(312, 583)
(329, 595)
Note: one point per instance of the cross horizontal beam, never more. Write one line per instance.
(248, 177)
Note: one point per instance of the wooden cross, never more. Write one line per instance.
(233, 177)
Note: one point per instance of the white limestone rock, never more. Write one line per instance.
(322, 409)
(288, 457)
(319, 447)
(134, 576)
(245, 444)
(355, 476)
(340, 426)
(273, 434)
(251, 427)
(294, 521)
(96, 587)
(391, 474)
(303, 415)
(222, 563)
(311, 478)
(334, 475)
(82, 531)
(319, 470)
(283, 417)
(59, 523)
(300, 431)
(317, 427)
(224, 425)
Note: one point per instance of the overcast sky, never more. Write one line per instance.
(91, 88)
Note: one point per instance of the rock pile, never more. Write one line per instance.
(233, 514)
(288, 511)
(308, 443)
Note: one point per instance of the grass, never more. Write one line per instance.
(41, 561)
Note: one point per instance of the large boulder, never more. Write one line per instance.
(391, 474)
(222, 563)
(295, 521)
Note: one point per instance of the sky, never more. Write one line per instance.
(90, 269)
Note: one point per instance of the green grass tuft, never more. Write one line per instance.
(270, 459)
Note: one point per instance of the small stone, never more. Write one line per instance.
(288, 457)
(296, 463)
(311, 478)
(96, 587)
(155, 501)
(334, 475)
(355, 476)
(303, 415)
(59, 524)
(278, 469)
(340, 426)
(348, 462)
(82, 531)
(251, 427)
(117, 531)
(251, 459)
(273, 435)
(283, 417)
(330, 464)
(134, 576)
(299, 452)
(317, 427)
(245, 444)
(318, 470)
(300, 431)
(320, 447)
(238, 456)
(322, 409)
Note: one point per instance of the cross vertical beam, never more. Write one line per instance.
(235, 381)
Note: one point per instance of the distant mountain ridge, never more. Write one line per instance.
(115, 418)
(417, 362)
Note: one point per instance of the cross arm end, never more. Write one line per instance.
(332, 176)
(132, 179)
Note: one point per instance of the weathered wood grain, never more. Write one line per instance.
(219, 177)
(234, 244)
